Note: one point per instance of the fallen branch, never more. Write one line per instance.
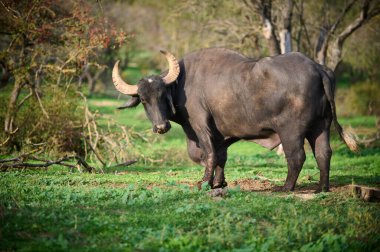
(82, 162)
(63, 164)
(370, 141)
(96, 153)
(129, 162)
(23, 162)
(7, 165)
(18, 162)
(9, 160)
(19, 158)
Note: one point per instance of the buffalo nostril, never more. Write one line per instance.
(161, 127)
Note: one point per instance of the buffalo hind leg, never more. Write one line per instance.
(320, 144)
(295, 157)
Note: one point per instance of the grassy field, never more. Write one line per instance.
(154, 206)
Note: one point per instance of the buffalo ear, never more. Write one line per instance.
(133, 102)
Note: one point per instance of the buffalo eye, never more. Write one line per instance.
(143, 101)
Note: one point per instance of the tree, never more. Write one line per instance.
(333, 31)
(47, 42)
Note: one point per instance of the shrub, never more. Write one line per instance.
(57, 130)
(359, 99)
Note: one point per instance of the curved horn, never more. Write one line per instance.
(121, 85)
(173, 68)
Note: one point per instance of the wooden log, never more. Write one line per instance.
(369, 194)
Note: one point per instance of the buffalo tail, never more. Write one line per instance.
(347, 137)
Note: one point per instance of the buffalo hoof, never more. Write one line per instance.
(322, 189)
(219, 184)
(282, 189)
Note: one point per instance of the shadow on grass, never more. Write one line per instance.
(355, 179)
(364, 152)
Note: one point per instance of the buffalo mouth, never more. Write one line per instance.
(161, 128)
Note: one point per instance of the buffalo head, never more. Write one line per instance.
(152, 92)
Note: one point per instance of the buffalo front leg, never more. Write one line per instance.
(195, 152)
(216, 174)
(219, 179)
(197, 155)
(209, 169)
(208, 156)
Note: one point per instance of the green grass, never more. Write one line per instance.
(153, 206)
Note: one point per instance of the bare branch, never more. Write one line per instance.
(374, 12)
(356, 24)
(96, 154)
(341, 16)
(40, 103)
(7, 160)
(16, 14)
(364, 16)
(24, 99)
(6, 165)
(127, 163)
(321, 47)
(6, 141)
(82, 162)
(303, 26)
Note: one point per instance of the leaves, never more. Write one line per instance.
(48, 44)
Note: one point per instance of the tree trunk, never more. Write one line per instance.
(12, 108)
(285, 33)
(268, 28)
(335, 52)
(329, 52)
(320, 50)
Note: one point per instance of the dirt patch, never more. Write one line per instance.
(151, 186)
(306, 192)
(134, 172)
(252, 185)
(303, 192)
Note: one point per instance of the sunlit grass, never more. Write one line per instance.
(155, 206)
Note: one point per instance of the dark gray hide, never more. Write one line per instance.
(221, 97)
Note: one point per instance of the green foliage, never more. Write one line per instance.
(44, 48)
(92, 212)
(359, 99)
(362, 51)
(57, 130)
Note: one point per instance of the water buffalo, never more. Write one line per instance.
(219, 96)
